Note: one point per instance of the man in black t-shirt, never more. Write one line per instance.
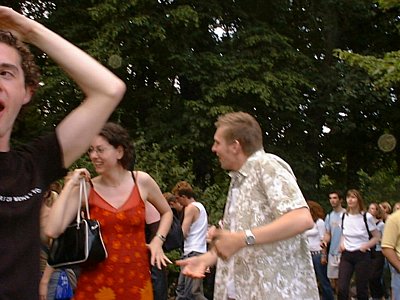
(26, 172)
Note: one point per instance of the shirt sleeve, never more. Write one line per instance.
(371, 222)
(327, 223)
(282, 187)
(390, 234)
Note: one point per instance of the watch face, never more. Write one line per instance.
(250, 240)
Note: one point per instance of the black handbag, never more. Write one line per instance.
(81, 243)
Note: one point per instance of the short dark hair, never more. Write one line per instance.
(117, 136)
(186, 192)
(337, 192)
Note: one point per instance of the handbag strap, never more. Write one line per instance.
(82, 194)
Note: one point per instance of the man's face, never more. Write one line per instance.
(181, 199)
(13, 93)
(224, 150)
(334, 200)
(176, 205)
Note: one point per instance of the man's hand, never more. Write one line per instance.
(17, 24)
(193, 266)
(226, 243)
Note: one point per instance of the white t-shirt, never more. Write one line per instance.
(315, 235)
(355, 232)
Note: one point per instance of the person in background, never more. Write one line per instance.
(376, 283)
(262, 252)
(391, 250)
(27, 171)
(117, 198)
(54, 283)
(355, 246)
(396, 206)
(333, 233)
(315, 236)
(177, 208)
(194, 227)
(387, 210)
(158, 276)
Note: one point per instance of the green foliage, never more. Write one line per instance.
(384, 185)
(385, 70)
(214, 199)
(321, 110)
(163, 166)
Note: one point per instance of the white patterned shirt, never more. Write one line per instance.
(266, 189)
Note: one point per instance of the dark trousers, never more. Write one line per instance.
(160, 283)
(354, 262)
(376, 285)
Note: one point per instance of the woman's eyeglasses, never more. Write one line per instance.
(98, 150)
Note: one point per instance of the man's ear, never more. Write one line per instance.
(28, 95)
(236, 146)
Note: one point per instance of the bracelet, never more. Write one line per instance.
(161, 237)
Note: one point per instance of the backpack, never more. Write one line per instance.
(372, 249)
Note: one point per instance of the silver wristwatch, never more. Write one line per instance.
(250, 238)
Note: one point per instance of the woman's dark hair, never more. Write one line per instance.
(117, 136)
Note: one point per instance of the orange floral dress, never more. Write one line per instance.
(125, 274)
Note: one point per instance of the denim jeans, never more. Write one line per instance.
(354, 262)
(395, 283)
(189, 288)
(321, 273)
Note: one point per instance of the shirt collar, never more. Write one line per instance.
(246, 168)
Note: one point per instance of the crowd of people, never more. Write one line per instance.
(347, 246)
(270, 244)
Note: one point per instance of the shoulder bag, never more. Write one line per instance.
(81, 243)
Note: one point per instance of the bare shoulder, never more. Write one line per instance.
(192, 208)
(143, 177)
(95, 181)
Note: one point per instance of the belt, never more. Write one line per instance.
(315, 252)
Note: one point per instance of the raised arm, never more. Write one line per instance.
(102, 89)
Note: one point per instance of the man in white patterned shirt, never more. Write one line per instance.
(261, 253)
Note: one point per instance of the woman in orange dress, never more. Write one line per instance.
(117, 199)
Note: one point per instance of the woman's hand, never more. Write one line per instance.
(324, 260)
(75, 176)
(158, 256)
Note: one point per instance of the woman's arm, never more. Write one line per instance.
(44, 282)
(65, 208)
(151, 192)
